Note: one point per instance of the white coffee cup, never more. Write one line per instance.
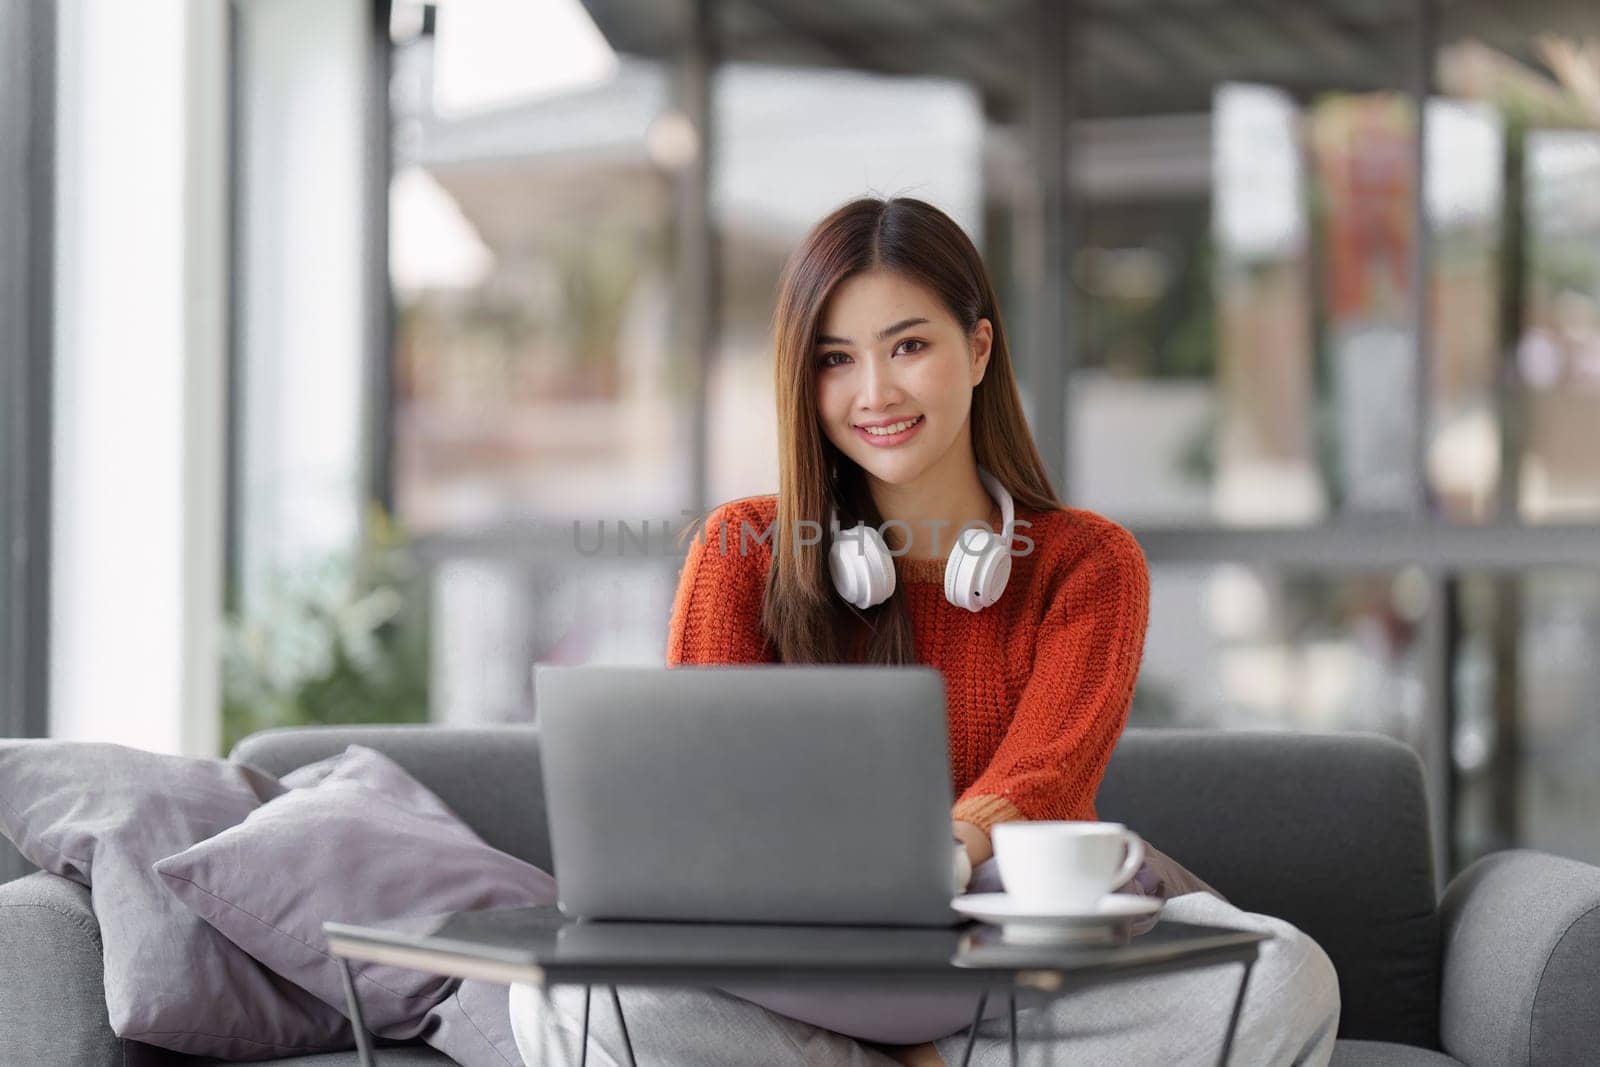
(1067, 865)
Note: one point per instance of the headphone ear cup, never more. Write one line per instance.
(879, 565)
(980, 563)
(993, 572)
(863, 570)
(844, 575)
(977, 571)
(961, 568)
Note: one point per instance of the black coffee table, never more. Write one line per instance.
(540, 946)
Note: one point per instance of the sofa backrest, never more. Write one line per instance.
(1327, 831)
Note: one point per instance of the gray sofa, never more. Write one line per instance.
(1327, 831)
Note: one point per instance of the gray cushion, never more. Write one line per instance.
(1334, 839)
(1387, 1054)
(101, 815)
(366, 844)
(490, 776)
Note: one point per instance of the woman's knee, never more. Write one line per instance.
(1293, 988)
(1290, 957)
(1295, 968)
(1292, 1002)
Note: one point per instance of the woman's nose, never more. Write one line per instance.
(878, 386)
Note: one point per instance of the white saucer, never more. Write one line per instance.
(1101, 922)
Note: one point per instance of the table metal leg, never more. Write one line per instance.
(583, 1049)
(1011, 997)
(358, 1023)
(972, 1031)
(1233, 1019)
(627, 1041)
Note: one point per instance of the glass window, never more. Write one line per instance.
(1276, 650)
(1244, 276)
(536, 383)
(496, 617)
(1558, 351)
(1465, 197)
(531, 256)
(793, 144)
(1544, 287)
(1527, 737)
(1247, 353)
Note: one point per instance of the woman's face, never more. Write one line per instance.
(889, 352)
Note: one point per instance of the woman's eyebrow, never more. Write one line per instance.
(883, 334)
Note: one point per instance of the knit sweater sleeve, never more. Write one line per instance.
(716, 613)
(1075, 703)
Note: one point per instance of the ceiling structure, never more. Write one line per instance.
(1133, 57)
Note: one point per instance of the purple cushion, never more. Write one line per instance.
(367, 843)
(101, 815)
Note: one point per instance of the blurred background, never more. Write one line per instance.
(357, 354)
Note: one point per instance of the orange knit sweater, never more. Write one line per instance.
(1037, 686)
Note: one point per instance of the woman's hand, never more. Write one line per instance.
(977, 842)
(963, 869)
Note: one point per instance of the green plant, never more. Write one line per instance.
(344, 640)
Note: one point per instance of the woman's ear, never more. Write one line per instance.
(982, 343)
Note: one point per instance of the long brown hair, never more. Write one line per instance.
(803, 616)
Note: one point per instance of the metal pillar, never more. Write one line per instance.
(1422, 255)
(696, 277)
(1053, 335)
(27, 283)
(1439, 638)
(378, 415)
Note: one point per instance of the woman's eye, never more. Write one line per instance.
(828, 360)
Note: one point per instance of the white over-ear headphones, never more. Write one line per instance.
(974, 576)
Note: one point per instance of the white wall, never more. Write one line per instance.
(137, 510)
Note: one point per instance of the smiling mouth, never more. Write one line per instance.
(903, 425)
(879, 439)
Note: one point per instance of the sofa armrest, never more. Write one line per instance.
(1521, 968)
(52, 992)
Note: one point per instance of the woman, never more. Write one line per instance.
(897, 408)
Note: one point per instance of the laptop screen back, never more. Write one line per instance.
(801, 794)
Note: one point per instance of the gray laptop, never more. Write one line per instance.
(794, 794)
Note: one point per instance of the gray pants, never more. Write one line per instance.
(1290, 1015)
